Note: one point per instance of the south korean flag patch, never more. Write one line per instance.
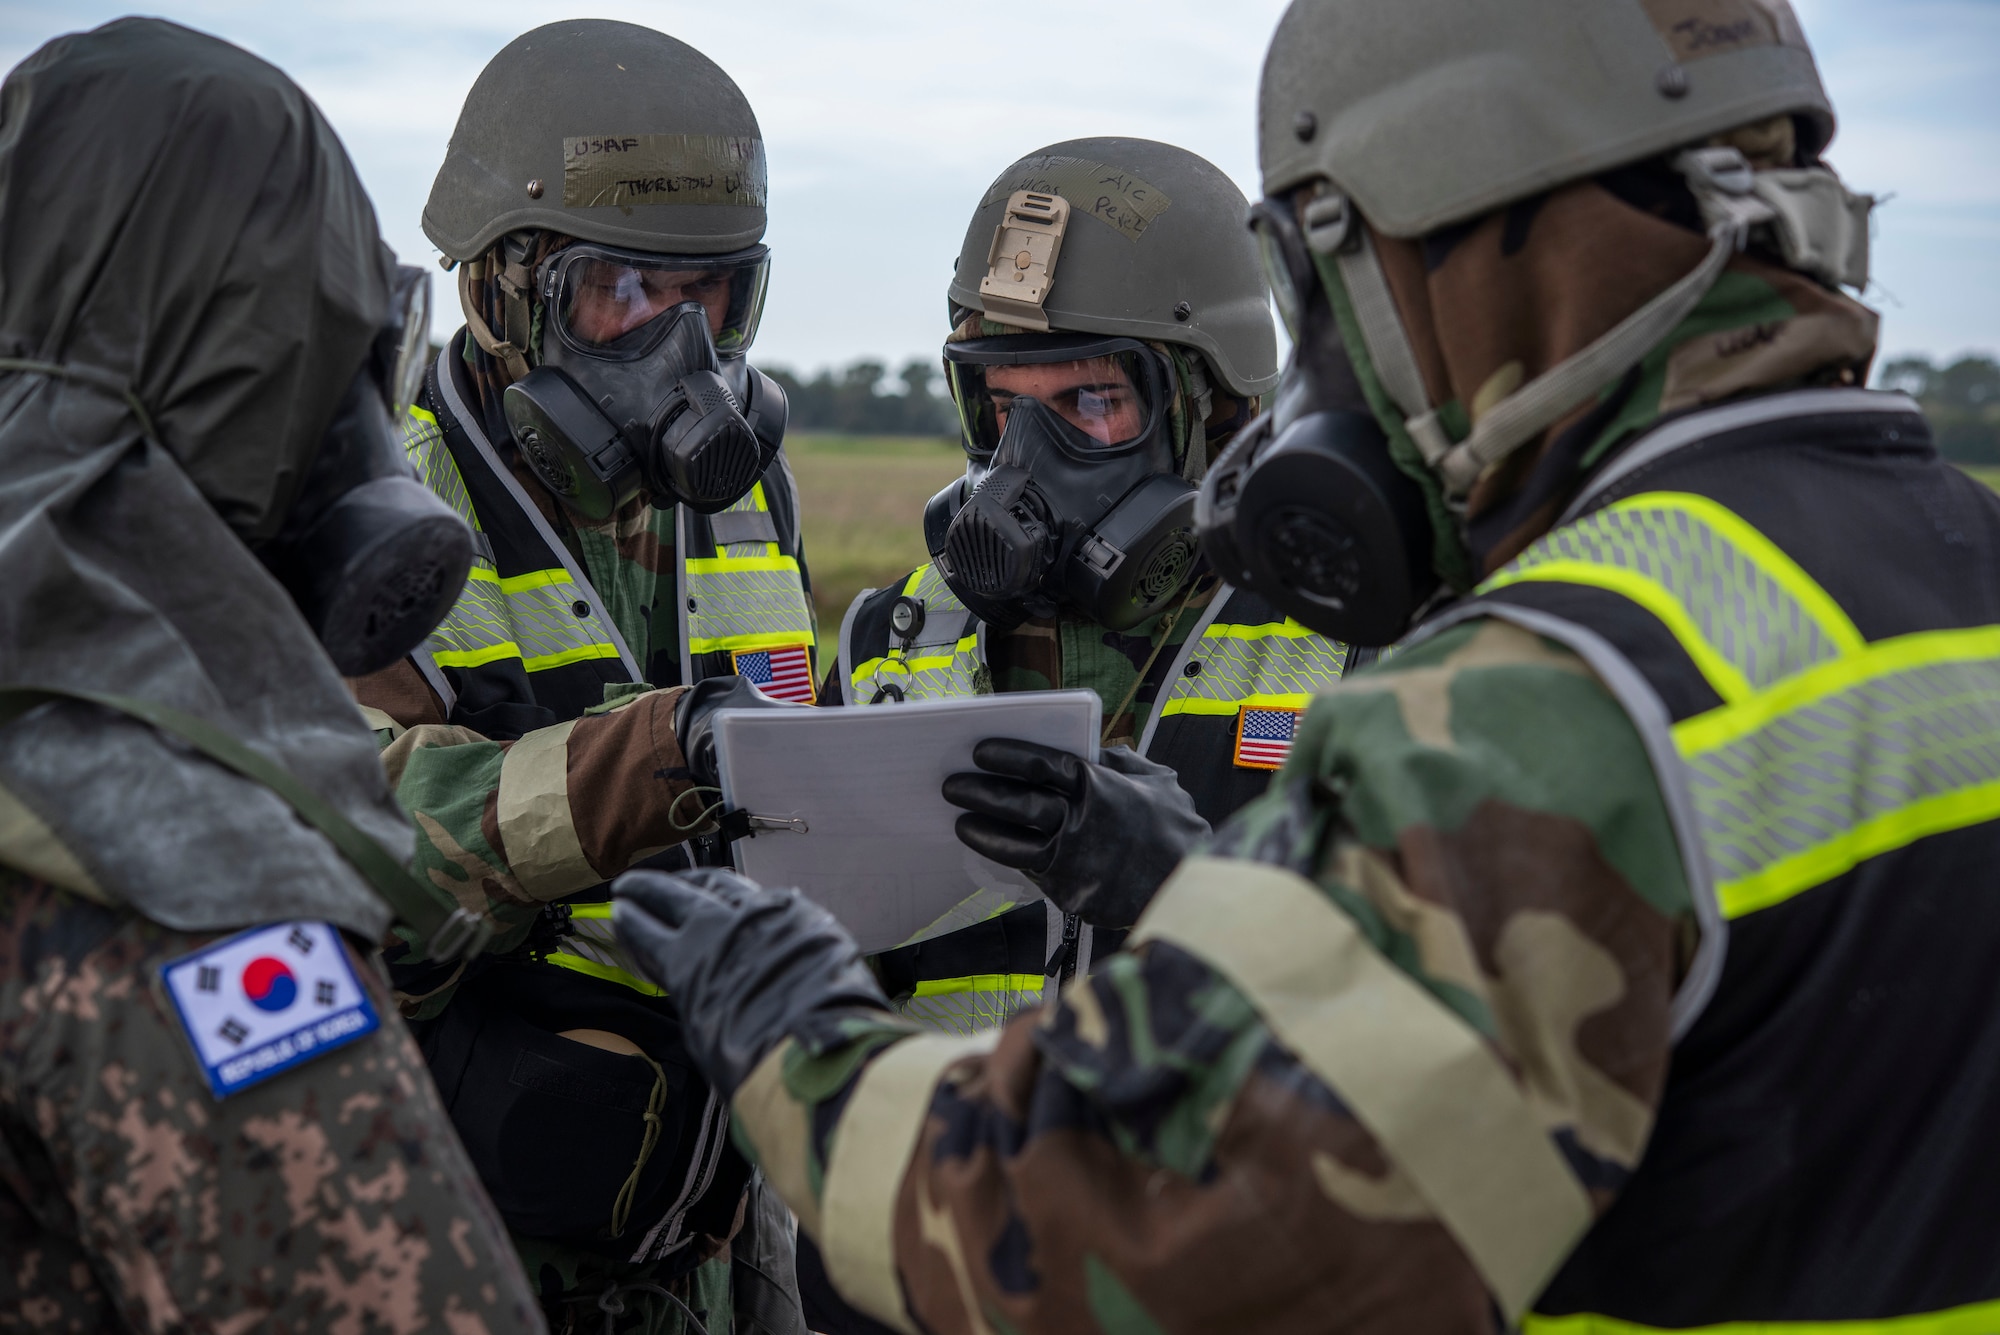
(265, 1000)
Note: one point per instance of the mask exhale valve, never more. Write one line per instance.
(634, 393)
(1072, 499)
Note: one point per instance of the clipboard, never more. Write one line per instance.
(844, 803)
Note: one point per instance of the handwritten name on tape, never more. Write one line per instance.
(1116, 198)
(618, 171)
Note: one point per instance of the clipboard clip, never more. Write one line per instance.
(740, 823)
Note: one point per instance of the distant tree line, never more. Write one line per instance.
(1962, 401)
(859, 398)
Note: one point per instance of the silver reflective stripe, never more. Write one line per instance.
(975, 1009)
(434, 676)
(1706, 422)
(1896, 741)
(746, 526)
(946, 661)
(532, 617)
(1189, 647)
(747, 596)
(455, 404)
(1743, 610)
(1277, 664)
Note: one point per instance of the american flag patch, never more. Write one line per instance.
(782, 674)
(1264, 736)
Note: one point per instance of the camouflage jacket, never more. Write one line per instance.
(1478, 811)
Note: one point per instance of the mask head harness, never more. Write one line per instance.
(371, 556)
(1327, 505)
(1071, 498)
(642, 385)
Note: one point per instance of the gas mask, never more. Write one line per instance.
(371, 556)
(642, 385)
(1306, 507)
(1071, 499)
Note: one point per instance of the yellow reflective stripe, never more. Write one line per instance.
(602, 910)
(916, 578)
(980, 982)
(423, 415)
(1972, 1319)
(1846, 761)
(907, 666)
(579, 654)
(1727, 679)
(1255, 664)
(1705, 732)
(773, 639)
(1592, 552)
(1884, 834)
(534, 579)
(579, 964)
(723, 565)
(1219, 708)
(470, 658)
(1284, 630)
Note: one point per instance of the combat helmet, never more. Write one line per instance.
(1151, 245)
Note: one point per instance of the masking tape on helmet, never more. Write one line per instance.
(619, 171)
(1115, 197)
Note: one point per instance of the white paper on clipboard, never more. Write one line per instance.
(869, 835)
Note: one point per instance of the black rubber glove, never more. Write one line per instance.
(1098, 839)
(748, 967)
(694, 715)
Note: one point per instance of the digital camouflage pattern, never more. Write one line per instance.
(332, 1198)
(1146, 1157)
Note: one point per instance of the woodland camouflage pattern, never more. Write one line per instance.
(1069, 653)
(1147, 1158)
(334, 1197)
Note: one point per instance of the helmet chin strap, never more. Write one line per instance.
(515, 282)
(1820, 228)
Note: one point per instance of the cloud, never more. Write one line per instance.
(885, 120)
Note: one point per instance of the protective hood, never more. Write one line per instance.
(180, 227)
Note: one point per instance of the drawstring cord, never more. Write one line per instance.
(621, 1209)
(706, 815)
(612, 1303)
(87, 375)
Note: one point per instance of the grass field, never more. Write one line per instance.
(862, 498)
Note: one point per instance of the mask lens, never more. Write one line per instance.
(610, 303)
(402, 347)
(1109, 401)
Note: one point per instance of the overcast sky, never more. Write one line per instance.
(885, 119)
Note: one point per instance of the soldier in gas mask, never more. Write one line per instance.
(211, 1116)
(1112, 332)
(602, 202)
(1618, 954)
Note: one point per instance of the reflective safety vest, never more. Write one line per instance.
(1798, 605)
(1234, 695)
(531, 643)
